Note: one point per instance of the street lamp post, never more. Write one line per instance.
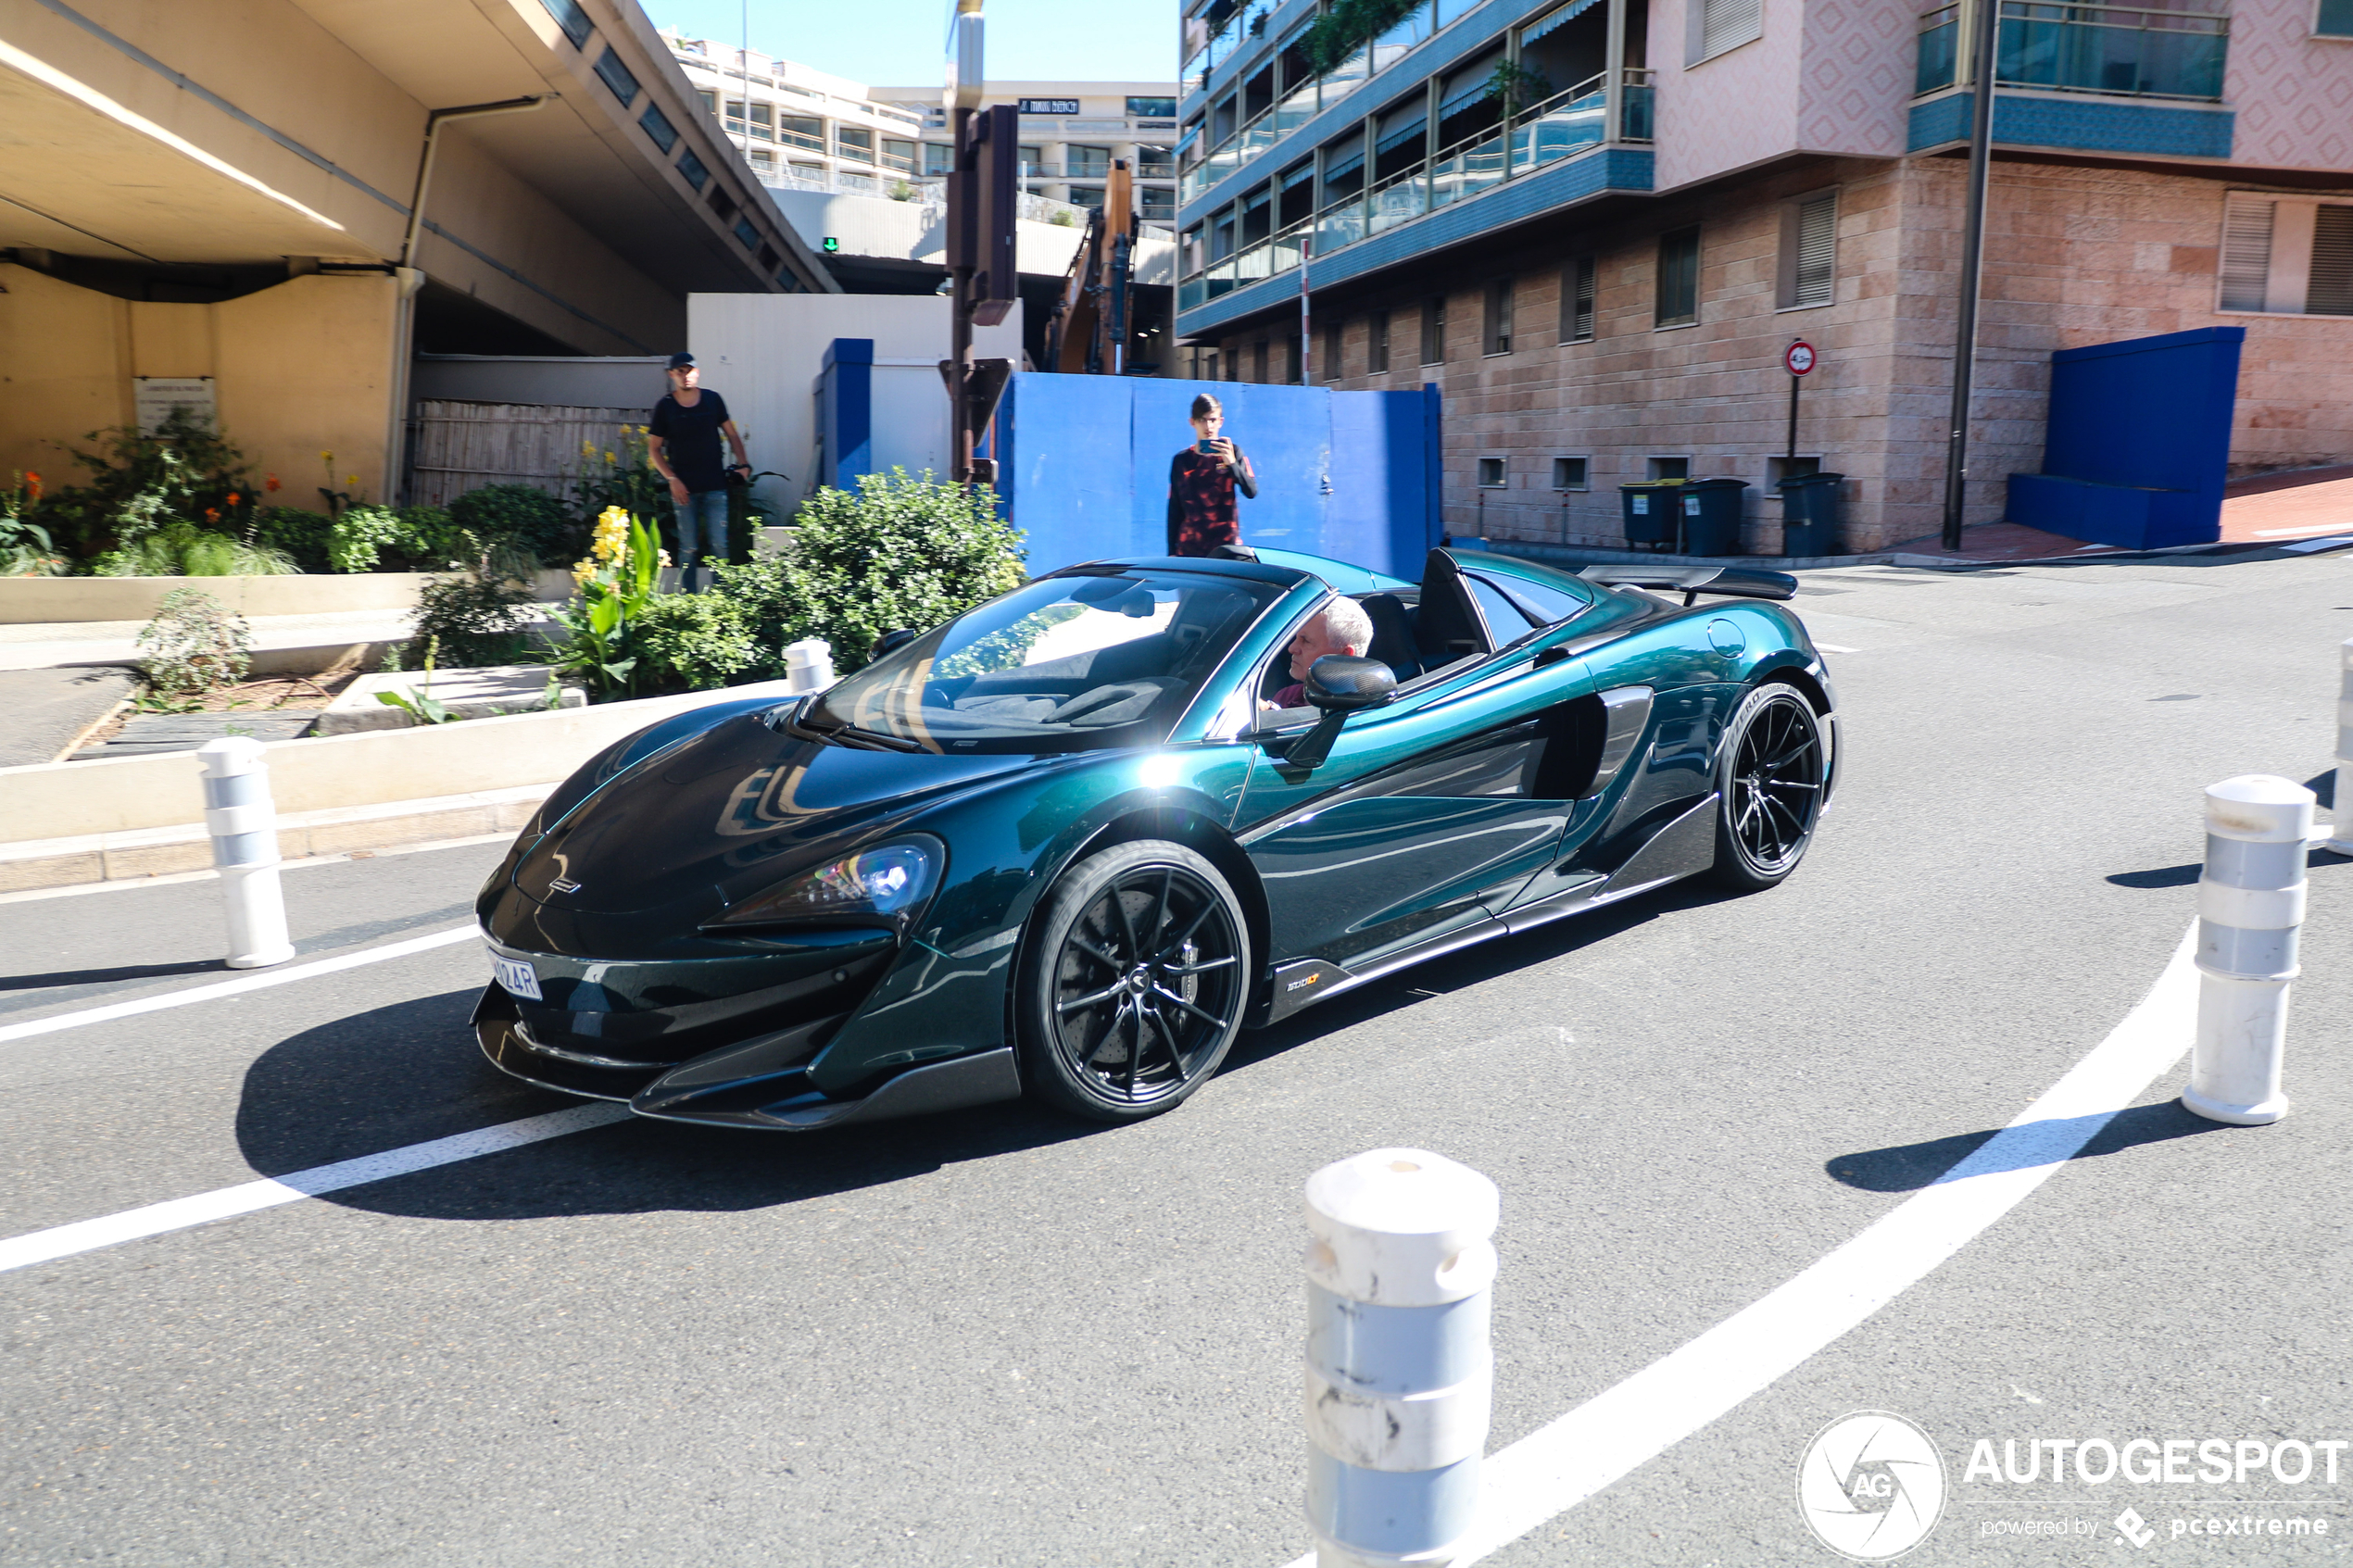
(1981, 143)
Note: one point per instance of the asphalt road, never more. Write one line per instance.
(999, 1337)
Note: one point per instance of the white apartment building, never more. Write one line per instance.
(803, 128)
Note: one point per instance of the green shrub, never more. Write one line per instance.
(521, 517)
(185, 470)
(179, 548)
(195, 644)
(901, 551)
(693, 642)
(298, 535)
(473, 621)
(372, 538)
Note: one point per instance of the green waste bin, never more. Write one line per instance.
(1810, 515)
(1712, 515)
(1651, 511)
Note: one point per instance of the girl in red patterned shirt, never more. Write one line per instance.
(1201, 481)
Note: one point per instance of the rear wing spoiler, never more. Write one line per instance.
(1740, 581)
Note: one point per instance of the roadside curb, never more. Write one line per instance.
(32, 864)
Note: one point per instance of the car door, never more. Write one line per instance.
(1428, 814)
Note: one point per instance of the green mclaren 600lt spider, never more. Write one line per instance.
(1073, 842)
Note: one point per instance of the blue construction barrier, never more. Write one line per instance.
(2138, 442)
(1083, 466)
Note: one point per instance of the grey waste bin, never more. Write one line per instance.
(1810, 515)
(1712, 515)
(1650, 510)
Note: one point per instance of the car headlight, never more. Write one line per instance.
(883, 883)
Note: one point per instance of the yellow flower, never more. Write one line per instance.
(608, 457)
(581, 571)
(587, 448)
(329, 459)
(352, 480)
(666, 558)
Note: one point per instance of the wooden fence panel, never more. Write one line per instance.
(461, 447)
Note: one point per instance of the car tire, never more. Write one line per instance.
(1772, 773)
(1134, 978)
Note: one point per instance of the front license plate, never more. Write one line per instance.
(518, 977)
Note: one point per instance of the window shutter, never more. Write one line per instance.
(1577, 301)
(1816, 250)
(1725, 23)
(2331, 290)
(2246, 255)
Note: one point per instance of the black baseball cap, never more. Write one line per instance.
(681, 361)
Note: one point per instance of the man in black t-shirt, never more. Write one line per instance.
(683, 443)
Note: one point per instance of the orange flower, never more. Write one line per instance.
(234, 497)
(212, 514)
(33, 483)
(270, 485)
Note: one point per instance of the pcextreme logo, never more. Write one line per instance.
(1870, 1486)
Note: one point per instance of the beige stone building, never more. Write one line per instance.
(267, 208)
(1602, 272)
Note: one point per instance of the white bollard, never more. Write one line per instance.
(2250, 904)
(1400, 1373)
(809, 665)
(2340, 840)
(242, 822)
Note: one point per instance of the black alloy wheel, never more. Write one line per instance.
(1136, 979)
(1775, 766)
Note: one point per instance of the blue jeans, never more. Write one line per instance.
(701, 509)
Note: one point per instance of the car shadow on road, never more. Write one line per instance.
(1911, 1167)
(1470, 966)
(410, 1071)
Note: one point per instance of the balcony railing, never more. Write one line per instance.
(2124, 51)
(1562, 124)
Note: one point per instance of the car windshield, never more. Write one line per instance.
(1072, 663)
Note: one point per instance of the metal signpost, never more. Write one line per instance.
(1798, 360)
(1980, 157)
(983, 193)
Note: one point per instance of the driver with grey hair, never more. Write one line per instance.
(1343, 627)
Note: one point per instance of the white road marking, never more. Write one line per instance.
(256, 980)
(1833, 647)
(88, 1235)
(1560, 1465)
(2297, 533)
(2306, 546)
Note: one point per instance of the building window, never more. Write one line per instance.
(572, 19)
(762, 161)
(1329, 369)
(1677, 303)
(722, 203)
(616, 76)
(1377, 344)
(691, 166)
(1569, 473)
(1087, 163)
(2335, 19)
(1294, 351)
(1495, 325)
(763, 121)
(1258, 362)
(1434, 330)
(710, 100)
(1490, 473)
(939, 159)
(1809, 251)
(655, 123)
(1670, 467)
(1718, 25)
(1086, 195)
(899, 156)
(745, 232)
(2287, 257)
(1577, 300)
(801, 131)
(855, 142)
(1151, 108)
(736, 116)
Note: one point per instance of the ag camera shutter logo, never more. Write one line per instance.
(1871, 1485)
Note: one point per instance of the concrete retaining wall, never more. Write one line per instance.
(53, 800)
(34, 600)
